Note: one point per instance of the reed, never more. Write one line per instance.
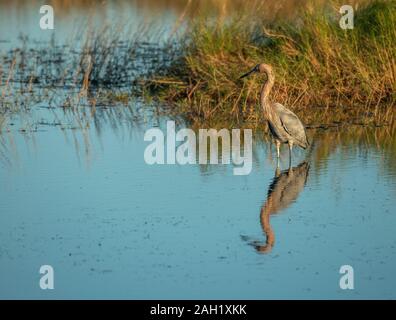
(97, 68)
(327, 75)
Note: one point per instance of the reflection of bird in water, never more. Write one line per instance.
(284, 125)
(284, 190)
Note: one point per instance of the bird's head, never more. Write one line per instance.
(260, 68)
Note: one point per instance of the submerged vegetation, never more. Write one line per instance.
(98, 69)
(328, 75)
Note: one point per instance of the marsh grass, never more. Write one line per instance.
(330, 77)
(327, 75)
(97, 69)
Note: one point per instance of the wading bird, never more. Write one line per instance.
(284, 125)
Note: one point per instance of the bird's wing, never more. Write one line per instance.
(292, 124)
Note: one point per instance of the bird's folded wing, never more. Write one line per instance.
(292, 124)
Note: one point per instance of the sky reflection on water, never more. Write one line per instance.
(76, 193)
(115, 227)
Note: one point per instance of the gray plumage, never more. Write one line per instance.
(284, 125)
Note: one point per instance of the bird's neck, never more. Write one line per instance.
(265, 91)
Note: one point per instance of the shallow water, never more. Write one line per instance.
(85, 202)
(21, 20)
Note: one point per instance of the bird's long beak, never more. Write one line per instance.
(246, 74)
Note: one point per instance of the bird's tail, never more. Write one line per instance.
(304, 145)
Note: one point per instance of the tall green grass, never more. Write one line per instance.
(326, 74)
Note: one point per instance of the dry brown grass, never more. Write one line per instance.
(325, 74)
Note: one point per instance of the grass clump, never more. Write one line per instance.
(327, 75)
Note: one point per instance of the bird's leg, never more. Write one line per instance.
(290, 152)
(277, 170)
(277, 149)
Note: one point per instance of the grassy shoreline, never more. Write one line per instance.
(327, 75)
(330, 77)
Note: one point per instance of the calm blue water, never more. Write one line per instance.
(22, 20)
(85, 202)
(112, 226)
